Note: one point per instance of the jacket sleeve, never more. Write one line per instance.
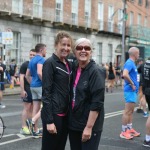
(97, 89)
(47, 81)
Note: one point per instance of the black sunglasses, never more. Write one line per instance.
(80, 48)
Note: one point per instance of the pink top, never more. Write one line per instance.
(74, 86)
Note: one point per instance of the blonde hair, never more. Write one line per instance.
(60, 35)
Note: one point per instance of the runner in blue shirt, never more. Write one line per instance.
(131, 85)
(34, 77)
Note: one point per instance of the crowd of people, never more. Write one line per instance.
(67, 93)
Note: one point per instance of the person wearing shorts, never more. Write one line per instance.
(34, 77)
(131, 85)
(2, 70)
(146, 91)
(26, 95)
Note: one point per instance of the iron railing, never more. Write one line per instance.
(139, 32)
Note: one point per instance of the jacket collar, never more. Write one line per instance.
(56, 58)
(88, 65)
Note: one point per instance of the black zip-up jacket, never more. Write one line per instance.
(55, 88)
(89, 96)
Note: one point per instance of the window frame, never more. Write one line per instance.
(37, 12)
(19, 8)
(59, 11)
(100, 52)
(74, 12)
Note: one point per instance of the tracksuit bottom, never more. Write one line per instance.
(75, 138)
(55, 141)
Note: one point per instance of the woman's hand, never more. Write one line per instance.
(51, 128)
(86, 135)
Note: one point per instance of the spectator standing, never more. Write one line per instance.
(2, 71)
(111, 78)
(142, 101)
(56, 88)
(13, 71)
(34, 77)
(146, 91)
(131, 86)
(118, 75)
(87, 94)
(26, 95)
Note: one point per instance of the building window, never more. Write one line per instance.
(36, 39)
(15, 51)
(140, 2)
(147, 3)
(87, 13)
(59, 11)
(120, 17)
(145, 21)
(139, 19)
(17, 6)
(109, 52)
(110, 18)
(101, 15)
(99, 53)
(75, 12)
(131, 18)
(37, 8)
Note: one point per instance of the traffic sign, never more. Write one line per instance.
(6, 38)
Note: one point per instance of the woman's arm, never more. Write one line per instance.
(90, 123)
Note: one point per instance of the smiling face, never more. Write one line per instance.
(63, 48)
(83, 52)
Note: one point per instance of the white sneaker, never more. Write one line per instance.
(2, 106)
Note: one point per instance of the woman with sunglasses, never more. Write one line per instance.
(55, 97)
(87, 99)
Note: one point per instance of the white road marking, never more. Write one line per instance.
(116, 113)
(11, 114)
(15, 140)
(8, 135)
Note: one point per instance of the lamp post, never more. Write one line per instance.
(123, 31)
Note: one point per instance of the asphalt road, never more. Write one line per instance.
(114, 105)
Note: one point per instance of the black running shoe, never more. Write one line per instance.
(30, 125)
(146, 144)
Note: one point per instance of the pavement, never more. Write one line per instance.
(15, 91)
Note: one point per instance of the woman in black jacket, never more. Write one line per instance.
(87, 109)
(55, 94)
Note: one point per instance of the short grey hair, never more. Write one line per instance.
(132, 50)
(81, 40)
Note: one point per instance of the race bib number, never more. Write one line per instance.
(138, 78)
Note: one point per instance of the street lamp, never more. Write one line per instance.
(123, 31)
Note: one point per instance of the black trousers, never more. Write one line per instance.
(148, 101)
(75, 138)
(55, 141)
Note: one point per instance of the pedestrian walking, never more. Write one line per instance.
(13, 71)
(34, 77)
(2, 87)
(86, 113)
(146, 91)
(56, 88)
(26, 95)
(131, 86)
(111, 78)
(142, 100)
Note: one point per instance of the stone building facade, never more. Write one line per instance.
(33, 21)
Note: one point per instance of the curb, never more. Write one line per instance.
(8, 94)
